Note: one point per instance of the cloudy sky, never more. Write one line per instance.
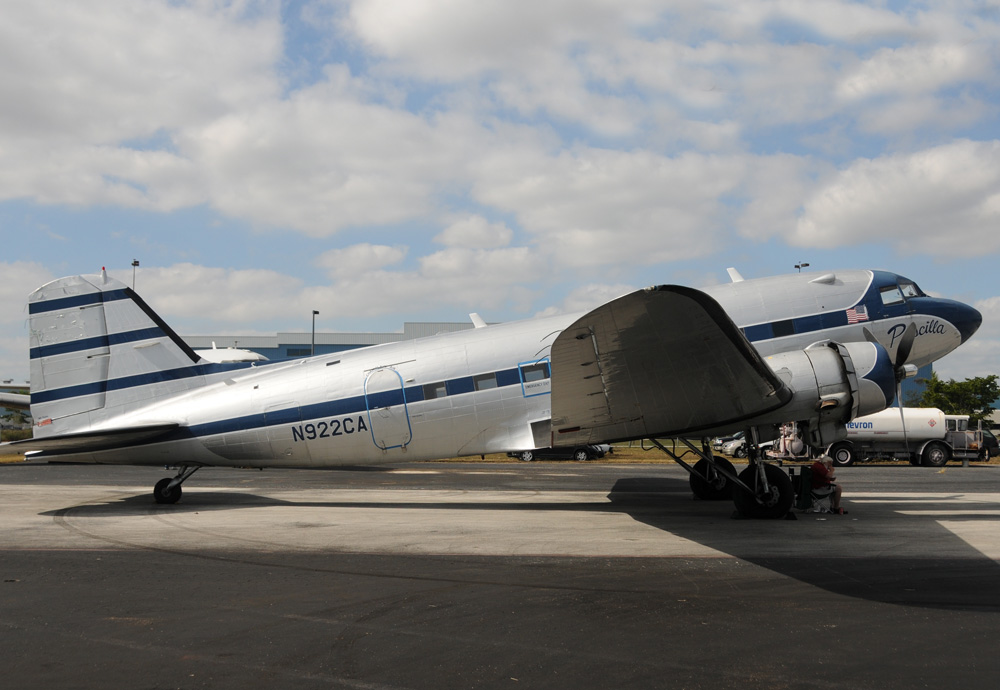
(385, 161)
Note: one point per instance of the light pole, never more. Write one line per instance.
(312, 351)
(801, 265)
(135, 265)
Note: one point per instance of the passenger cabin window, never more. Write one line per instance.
(485, 381)
(783, 328)
(535, 372)
(891, 295)
(435, 390)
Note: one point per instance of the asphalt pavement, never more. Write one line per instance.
(466, 575)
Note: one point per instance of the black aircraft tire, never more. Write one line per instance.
(935, 455)
(774, 506)
(707, 491)
(164, 495)
(842, 454)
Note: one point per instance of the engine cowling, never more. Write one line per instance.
(831, 384)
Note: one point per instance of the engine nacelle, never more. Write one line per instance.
(831, 384)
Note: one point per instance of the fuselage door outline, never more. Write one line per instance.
(388, 415)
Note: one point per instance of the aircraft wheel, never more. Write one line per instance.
(842, 454)
(774, 504)
(527, 456)
(164, 495)
(935, 455)
(581, 455)
(718, 490)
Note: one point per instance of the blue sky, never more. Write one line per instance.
(406, 160)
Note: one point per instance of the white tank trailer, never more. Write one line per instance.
(931, 438)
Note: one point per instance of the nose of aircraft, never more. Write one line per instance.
(965, 318)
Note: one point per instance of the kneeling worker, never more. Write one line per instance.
(823, 483)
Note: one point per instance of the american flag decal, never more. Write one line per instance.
(858, 313)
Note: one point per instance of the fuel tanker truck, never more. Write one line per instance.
(931, 438)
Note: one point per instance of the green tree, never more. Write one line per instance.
(973, 397)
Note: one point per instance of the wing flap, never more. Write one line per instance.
(95, 440)
(665, 361)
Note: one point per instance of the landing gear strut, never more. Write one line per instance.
(712, 477)
(760, 491)
(168, 489)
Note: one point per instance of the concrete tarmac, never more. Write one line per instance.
(448, 575)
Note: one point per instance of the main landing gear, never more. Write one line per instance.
(760, 491)
(168, 489)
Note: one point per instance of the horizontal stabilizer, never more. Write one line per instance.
(15, 401)
(665, 361)
(95, 440)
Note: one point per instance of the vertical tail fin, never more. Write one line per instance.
(97, 350)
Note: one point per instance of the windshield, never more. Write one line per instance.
(909, 288)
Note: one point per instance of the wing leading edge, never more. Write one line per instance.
(664, 361)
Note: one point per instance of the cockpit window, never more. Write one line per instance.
(891, 295)
(910, 289)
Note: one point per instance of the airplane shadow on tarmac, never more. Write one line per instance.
(963, 579)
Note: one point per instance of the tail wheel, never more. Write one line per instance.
(842, 454)
(773, 502)
(935, 455)
(719, 487)
(162, 492)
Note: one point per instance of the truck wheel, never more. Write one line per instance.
(935, 455)
(842, 454)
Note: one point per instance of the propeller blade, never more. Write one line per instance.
(905, 345)
(870, 337)
(902, 419)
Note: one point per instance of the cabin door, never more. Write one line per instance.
(388, 418)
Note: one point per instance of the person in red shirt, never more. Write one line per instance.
(823, 483)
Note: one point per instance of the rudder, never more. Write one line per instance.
(97, 349)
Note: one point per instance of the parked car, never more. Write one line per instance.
(736, 448)
(720, 441)
(579, 453)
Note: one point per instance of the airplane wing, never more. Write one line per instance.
(95, 440)
(665, 361)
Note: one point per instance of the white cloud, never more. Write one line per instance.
(20, 278)
(980, 355)
(587, 297)
(193, 298)
(475, 232)
(92, 92)
(360, 259)
(323, 160)
(913, 69)
(597, 207)
(944, 201)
